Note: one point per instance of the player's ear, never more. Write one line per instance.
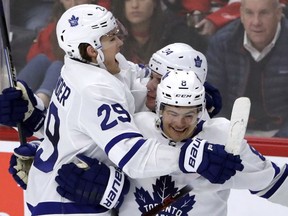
(87, 52)
(91, 52)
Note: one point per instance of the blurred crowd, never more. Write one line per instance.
(246, 48)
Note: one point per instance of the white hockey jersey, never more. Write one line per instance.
(260, 176)
(90, 113)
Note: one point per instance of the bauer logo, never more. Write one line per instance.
(115, 190)
(194, 152)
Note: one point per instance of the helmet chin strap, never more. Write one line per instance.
(100, 59)
(159, 126)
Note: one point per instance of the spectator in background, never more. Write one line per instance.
(45, 58)
(249, 58)
(31, 14)
(209, 15)
(205, 15)
(149, 28)
(27, 18)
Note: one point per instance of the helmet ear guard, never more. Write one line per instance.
(100, 56)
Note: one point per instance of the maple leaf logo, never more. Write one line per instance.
(198, 62)
(164, 187)
(73, 21)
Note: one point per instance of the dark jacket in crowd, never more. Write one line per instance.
(232, 70)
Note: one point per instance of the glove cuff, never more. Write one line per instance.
(114, 188)
(191, 155)
(35, 121)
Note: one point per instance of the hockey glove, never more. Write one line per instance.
(12, 107)
(21, 161)
(209, 160)
(213, 99)
(92, 183)
(21, 105)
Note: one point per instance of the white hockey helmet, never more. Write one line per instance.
(179, 57)
(85, 23)
(180, 88)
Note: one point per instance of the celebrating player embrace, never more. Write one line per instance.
(90, 114)
(91, 137)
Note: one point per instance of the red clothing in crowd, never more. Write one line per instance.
(105, 3)
(43, 43)
(225, 14)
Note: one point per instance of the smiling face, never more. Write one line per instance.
(260, 19)
(111, 45)
(179, 123)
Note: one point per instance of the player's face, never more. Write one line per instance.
(179, 122)
(139, 11)
(260, 19)
(111, 45)
(70, 3)
(151, 86)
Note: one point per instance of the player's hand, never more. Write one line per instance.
(92, 183)
(35, 115)
(21, 105)
(20, 162)
(12, 107)
(209, 160)
(213, 99)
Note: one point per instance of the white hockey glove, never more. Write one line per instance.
(21, 161)
(209, 160)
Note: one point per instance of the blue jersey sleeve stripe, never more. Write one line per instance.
(276, 186)
(131, 153)
(277, 169)
(119, 138)
(64, 208)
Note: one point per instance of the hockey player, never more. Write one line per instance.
(89, 114)
(176, 56)
(180, 102)
(179, 57)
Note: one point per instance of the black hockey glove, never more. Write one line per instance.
(209, 160)
(20, 162)
(21, 105)
(213, 99)
(92, 183)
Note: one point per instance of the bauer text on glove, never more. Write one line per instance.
(96, 185)
(209, 160)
